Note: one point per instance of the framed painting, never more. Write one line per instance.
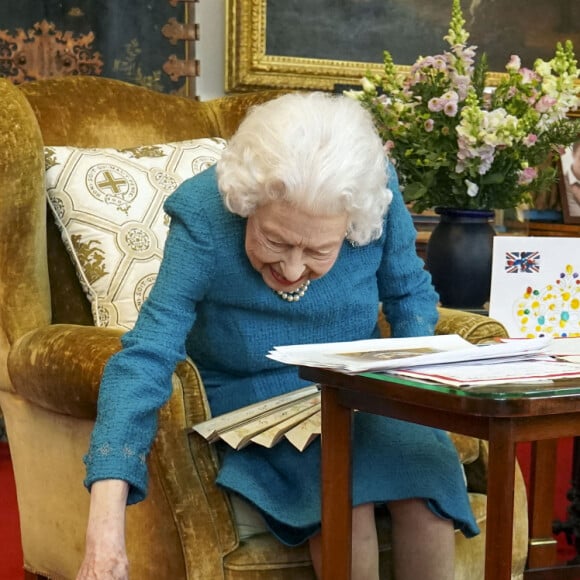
(569, 181)
(319, 44)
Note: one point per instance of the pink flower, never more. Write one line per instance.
(530, 140)
(545, 104)
(462, 83)
(514, 64)
(450, 96)
(450, 108)
(527, 175)
(429, 123)
(528, 75)
(435, 105)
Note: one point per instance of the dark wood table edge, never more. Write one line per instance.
(435, 397)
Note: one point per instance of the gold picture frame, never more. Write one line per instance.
(250, 66)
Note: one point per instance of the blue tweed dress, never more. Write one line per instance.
(209, 303)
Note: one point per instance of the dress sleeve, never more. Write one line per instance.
(408, 298)
(137, 380)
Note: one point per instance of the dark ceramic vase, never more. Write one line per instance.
(459, 254)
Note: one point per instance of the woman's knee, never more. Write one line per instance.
(415, 514)
(410, 509)
(363, 520)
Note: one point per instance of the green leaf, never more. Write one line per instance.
(414, 191)
(493, 178)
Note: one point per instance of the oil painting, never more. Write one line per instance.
(316, 44)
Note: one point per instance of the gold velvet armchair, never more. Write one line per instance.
(52, 357)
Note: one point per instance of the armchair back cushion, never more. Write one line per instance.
(97, 112)
(108, 204)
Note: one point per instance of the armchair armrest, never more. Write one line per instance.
(59, 367)
(475, 328)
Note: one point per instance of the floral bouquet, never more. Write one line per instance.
(457, 143)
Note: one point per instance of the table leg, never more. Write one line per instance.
(542, 551)
(500, 500)
(336, 487)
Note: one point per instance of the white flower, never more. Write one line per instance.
(472, 188)
(367, 86)
(352, 94)
(515, 63)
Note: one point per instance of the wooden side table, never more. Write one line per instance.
(504, 418)
(544, 454)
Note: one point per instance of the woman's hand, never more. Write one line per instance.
(105, 553)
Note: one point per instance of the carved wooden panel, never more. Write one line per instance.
(43, 51)
(188, 33)
(112, 38)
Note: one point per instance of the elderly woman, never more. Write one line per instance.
(295, 237)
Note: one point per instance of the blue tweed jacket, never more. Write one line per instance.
(209, 303)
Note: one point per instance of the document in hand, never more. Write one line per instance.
(384, 354)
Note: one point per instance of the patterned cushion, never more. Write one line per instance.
(108, 204)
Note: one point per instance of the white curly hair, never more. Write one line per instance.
(314, 150)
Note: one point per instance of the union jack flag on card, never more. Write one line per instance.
(522, 262)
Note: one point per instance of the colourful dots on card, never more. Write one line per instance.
(551, 310)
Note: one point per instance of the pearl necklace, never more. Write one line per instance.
(295, 295)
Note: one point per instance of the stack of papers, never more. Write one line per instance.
(447, 359)
(390, 353)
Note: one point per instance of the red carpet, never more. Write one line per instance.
(10, 549)
(11, 552)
